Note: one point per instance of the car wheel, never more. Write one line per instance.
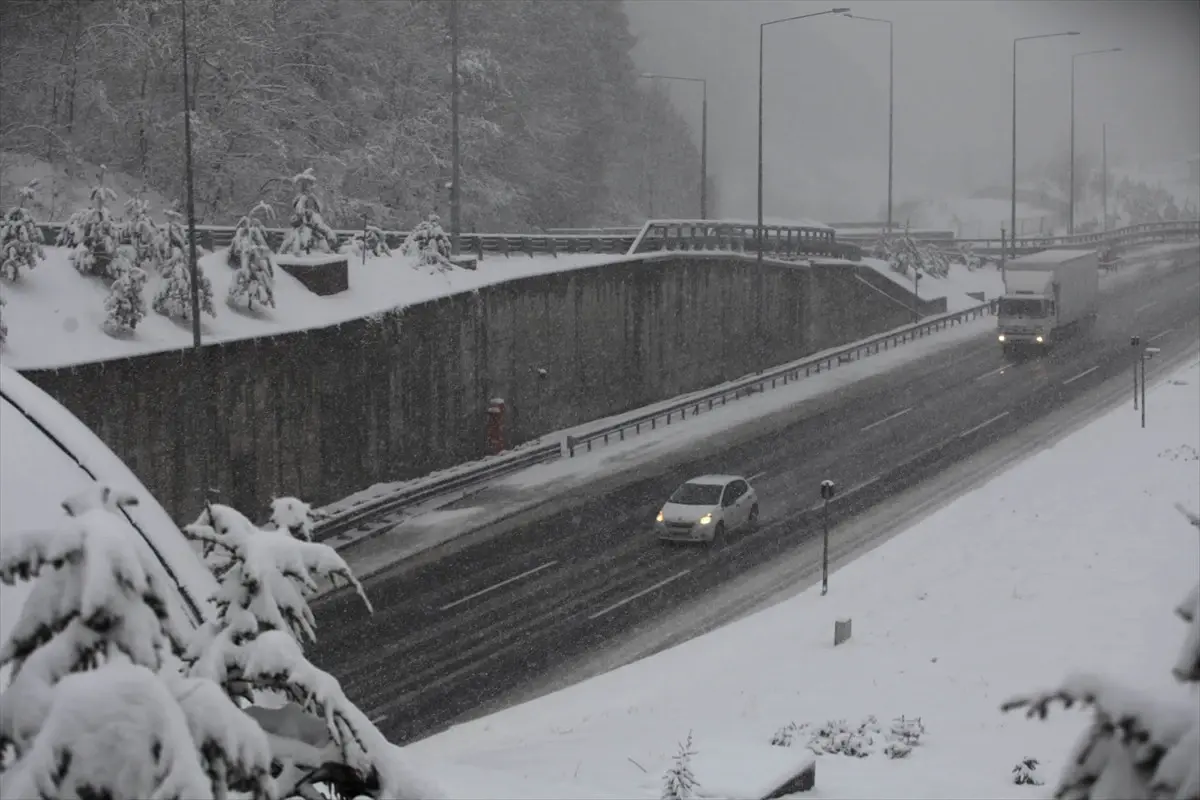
(753, 521)
(718, 533)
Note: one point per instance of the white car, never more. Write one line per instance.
(704, 508)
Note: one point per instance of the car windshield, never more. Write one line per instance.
(697, 494)
(1010, 307)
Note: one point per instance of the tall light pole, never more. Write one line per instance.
(891, 101)
(1071, 210)
(1013, 222)
(455, 194)
(703, 134)
(1104, 173)
(188, 179)
(761, 28)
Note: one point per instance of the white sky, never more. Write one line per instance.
(825, 132)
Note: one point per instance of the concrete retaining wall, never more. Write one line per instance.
(326, 412)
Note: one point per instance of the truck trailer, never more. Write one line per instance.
(1046, 295)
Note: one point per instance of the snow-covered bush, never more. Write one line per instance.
(309, 231)
(371, 241)
(253, 643)
(678, 781)
(837, 737)
(125, 305)
(97, 706)
(905, 255)
(1026, 773)
(294, 516)
(1137, 745)
(20, 238)
(93, 234)
(143, 234)
(428, 242)
(250, 255)
(174, 297)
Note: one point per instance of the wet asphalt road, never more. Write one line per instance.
(456, 634)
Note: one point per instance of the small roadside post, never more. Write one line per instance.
(1149, 352)
(1134, 341)
(827, 492)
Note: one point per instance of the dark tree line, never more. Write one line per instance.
(556, 128)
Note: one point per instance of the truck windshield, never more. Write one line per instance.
(1018, 307)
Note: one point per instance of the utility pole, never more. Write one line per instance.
(193, 267)
(455, 193)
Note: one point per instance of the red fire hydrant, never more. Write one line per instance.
(495, 426)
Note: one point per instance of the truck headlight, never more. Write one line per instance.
(706, 519)
(1039, 340)
(1001, 337)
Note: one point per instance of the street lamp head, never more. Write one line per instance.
(649, 75)
(1072, 33)
(839, 11)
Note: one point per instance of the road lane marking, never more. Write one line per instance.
(1158, 336)
(378, 718)
(889, 418)
(756, 476)
(1087, 371)
(494, 587)
(1143, 307)
(642, 593)
(993, 372)
(983, 425)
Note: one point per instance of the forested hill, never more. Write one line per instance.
(557, 128)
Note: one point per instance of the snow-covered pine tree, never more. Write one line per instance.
(126, 302)
(143, 234)
(253, 643)
(174, 297)
(429, 243)
(20, 237)
(1137, 746)
(250, 255)
(678, 781)
(93, 234)
(371, 241)
(96, 705)
(309, 231)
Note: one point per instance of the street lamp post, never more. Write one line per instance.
(455, 194)
(1071, 209)
(891, 102)
(703, 134)
(827, 491)
(188, 179)
(761, 28)
(1013, 221)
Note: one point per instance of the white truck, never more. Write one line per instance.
(1045, 295)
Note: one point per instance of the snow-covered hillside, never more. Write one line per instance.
(1005, 591)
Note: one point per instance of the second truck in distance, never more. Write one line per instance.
(1046, 295)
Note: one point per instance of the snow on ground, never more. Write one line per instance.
(955, 286)
(1002, 592)
(54, 314)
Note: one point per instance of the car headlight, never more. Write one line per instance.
(707, 518)
(659, 518)
(1040, 340)
(1001, 337)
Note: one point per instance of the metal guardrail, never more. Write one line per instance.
(704, 235)
(756, 384)
(214, 237)
(496, 467)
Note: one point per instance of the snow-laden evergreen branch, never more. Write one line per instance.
(1137, 746)
(20, 238)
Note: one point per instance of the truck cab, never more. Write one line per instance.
(1028, 310)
